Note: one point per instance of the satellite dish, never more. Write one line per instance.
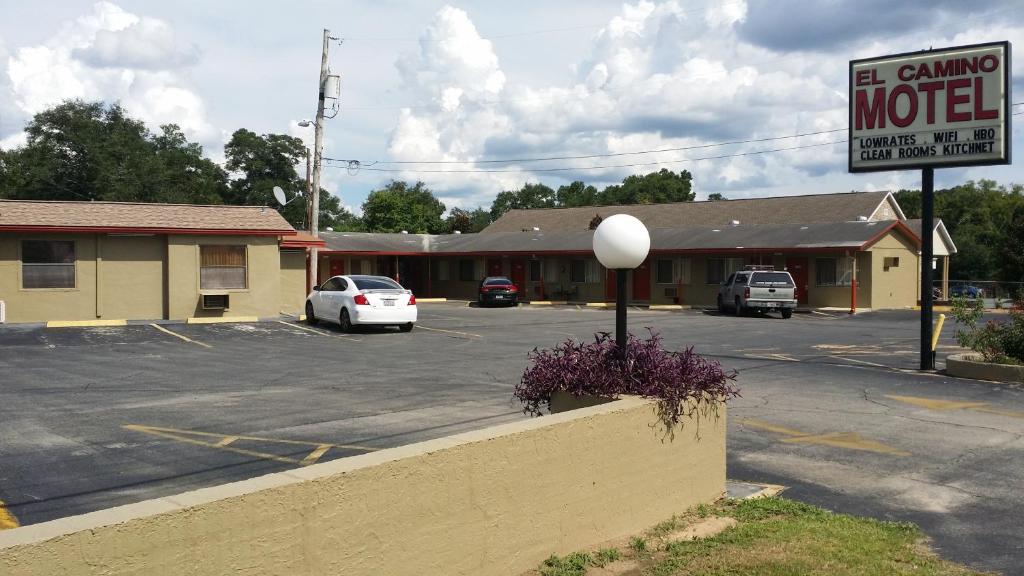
(279, 196)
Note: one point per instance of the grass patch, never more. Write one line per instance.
(774, 537)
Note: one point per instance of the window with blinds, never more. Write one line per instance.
(48, 264)
(222, 268)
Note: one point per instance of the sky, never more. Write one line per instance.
(462, 84)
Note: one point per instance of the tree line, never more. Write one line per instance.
(92, 151)
(986, 222)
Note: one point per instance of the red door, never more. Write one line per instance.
(797, 268)
(494, 267)
(519, 275)
(337, 266)
(642, 281)
(609, 286)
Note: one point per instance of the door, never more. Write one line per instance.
(609, 286)
(519, 275)
(642, 281)
(797, 268)
(494, 267)
(337, 267)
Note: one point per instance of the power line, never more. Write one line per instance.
(605, 167)
(589, 156)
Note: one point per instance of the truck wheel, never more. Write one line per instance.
(739, 307)
(721, 305)
(787, 313)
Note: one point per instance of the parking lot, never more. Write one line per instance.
(832, 407)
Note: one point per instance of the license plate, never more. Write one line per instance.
(773, 304)
(499, 297)
(389, 302)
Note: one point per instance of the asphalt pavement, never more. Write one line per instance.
(832, 406)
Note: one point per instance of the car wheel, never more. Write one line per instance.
(739, 307)
(406, 327)
(310, 316)
(721, 305)
(345, 322)
(480, 301)
(787, 313)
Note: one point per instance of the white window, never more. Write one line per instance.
(683, 276)
(720, 268)
(441, 270)
(48, 264)
(222, 268)
(593, 272)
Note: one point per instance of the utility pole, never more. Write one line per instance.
(309, 187)
(318, 149)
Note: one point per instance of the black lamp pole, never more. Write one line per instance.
(620, 308)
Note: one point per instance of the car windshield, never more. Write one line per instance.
(498, 282)
(771, 279)
(375, 283)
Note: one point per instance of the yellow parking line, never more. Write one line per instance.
(7, 520)
(85, 323)
(320, 332)
(183, 337)
(845, 440)
(315, 454)
(225, 441)
(422, 327)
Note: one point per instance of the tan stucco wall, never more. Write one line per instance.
(494, 501)
(132, 277)
(37, 305)
(293, 282)
(897, 286)
(261, 298)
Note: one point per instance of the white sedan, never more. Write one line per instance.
(357, 300)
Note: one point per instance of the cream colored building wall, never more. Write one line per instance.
(293, 282)
(132, 277)
(263, 263)
(896, 287)
(496, 501)
(839, 296)
(42, 304)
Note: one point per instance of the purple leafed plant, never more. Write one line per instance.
(682, 382)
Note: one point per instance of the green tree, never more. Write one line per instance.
(91, 151)
(467, 221)
(654, 188)
(715, 196)
(576, 194)
(529, 196)
(268, 160)
(398, 207)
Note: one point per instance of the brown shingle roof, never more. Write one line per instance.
(26, 215)
(819, 208)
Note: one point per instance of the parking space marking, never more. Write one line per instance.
(844, 440)
(462, 334)
(875, 364)
(182, 336)
(7, 520)
(320, 332)
(198, 439)
(782, 357)
(948, 405)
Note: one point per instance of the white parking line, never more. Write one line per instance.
(320, 332)
(183, 337)
(465, 334)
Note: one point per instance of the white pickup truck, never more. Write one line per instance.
(760, 290)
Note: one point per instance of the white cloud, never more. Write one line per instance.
(111, 55)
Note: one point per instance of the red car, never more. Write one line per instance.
(497, 290)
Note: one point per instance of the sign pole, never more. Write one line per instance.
(927, 234)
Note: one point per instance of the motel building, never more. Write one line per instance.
(98, 261)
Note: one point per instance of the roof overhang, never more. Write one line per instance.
(139, 230)
(896, 225)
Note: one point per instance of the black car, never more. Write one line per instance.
(497, 290)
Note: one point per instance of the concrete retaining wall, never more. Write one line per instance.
(967, 366)
(494, 501)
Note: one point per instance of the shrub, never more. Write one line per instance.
(996, 341)
(682, 382)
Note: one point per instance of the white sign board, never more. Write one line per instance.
(939, 108)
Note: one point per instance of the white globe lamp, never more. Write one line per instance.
(621, 243)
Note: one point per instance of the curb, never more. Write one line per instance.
(750, 490)
(222, 320)
(84, 323)
(668, 307)
(967, 365)
(430, 300)
(600, 305)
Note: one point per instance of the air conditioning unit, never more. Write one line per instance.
(670, 292)
(215, 301)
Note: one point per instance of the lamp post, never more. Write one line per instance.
(621, 243)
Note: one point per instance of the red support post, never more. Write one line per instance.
(853, 296)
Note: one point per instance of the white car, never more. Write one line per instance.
(359, 300)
